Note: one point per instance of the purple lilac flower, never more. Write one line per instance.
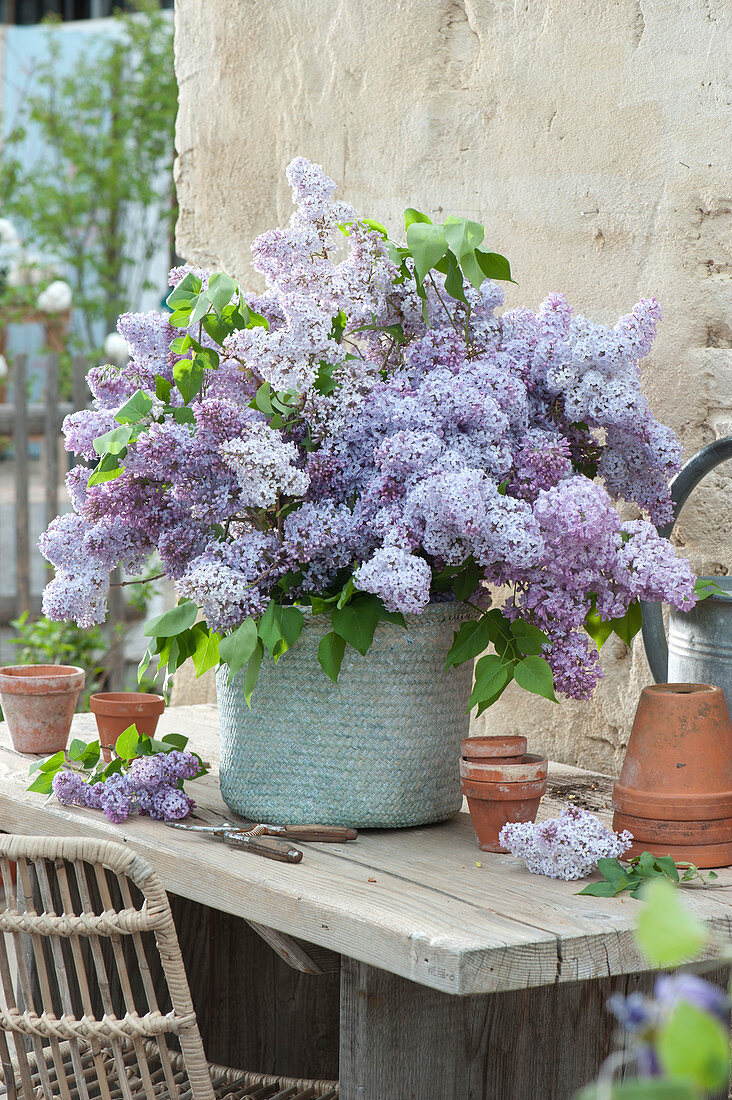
(116, 798)
(168, 803)
(68, 787)
(146, 773)
(478, 440)
(567, 846)
(179, 764)
(672, 989)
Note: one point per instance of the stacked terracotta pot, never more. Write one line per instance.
(502, 783)
(675, 788)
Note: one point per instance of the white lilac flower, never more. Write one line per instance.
(264, 466)
(56, 298)
(3, 368)
(567, 846)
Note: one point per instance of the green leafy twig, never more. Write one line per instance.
(632, 874)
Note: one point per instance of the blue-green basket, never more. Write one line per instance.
(378, 749)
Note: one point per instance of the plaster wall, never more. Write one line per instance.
(591, 137)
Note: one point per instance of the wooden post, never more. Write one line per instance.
(115, 653)
(79, 390)
(399, 1039)
(20, 447)
(51, 442)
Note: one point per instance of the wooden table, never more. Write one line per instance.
(461, 975)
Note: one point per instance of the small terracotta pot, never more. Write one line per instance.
(115, 711)
(675, 788)
(493, 748)
(38, 702)
(513, 793)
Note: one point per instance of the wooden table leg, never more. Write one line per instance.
(254, 1011)
(402, 1041)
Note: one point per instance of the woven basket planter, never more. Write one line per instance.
(380, 749)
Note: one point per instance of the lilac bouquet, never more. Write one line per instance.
(364, 437)
(145, 777)
(567, 847)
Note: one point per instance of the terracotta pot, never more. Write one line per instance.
(38, 702)
(512, 794)
(493, 748)
(115, 711)
(675, 788)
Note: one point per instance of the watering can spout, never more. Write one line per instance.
(707, 641)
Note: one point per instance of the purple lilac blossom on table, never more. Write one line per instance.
(641, 1016)
(478, 439)
(566, 847)
(148, 787)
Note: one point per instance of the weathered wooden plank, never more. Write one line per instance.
(52, 425)
(79, 388)
(35, 414)
(20, 448)
(399, 1039)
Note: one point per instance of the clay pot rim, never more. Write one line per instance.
(530, 766)
(479, 748)
(681, 689)
(119, 703)
(41, 679)
(667, 805)
(525, 790)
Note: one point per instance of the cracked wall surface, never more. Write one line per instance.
(592, 140)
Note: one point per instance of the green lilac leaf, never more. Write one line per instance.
(534, 674)
(183, 294)
(599, 890)
(188, 375)
(628, 625)
(493, 265)
(472, 639)
(427, 244)
(454, 280)
(42, 784)
(134, 410)
(693, 1046)
(462, 235)
(107, 469)
(113, 442)
(221, 289)
(356, 622)
(206, 653)
(53, 763)
(472, 270)
(330, 654)
(492, 675)
(126, 744)
(250, 676)
(237, 648)
(172, 622)
(411, 216)
(529, 638)
(598, 629)
(162, 386)
(668, 933)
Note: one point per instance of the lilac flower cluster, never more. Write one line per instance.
(150, 786)
(567, 846)
(641, 1016)
(468, 436)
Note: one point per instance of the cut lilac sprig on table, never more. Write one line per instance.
(139, 780)
(566, 847)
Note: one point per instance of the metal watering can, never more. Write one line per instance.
(699, 648)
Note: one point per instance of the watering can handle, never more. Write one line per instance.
(688, 477)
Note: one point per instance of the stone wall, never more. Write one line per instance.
(589, 136)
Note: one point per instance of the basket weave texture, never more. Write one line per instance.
(379, 749)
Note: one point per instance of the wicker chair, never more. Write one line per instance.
(87, 927)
